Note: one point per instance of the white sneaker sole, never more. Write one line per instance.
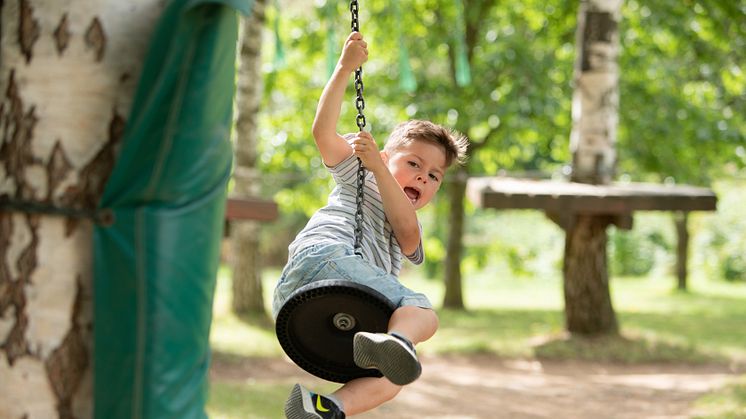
(388, 355)
(299, 405)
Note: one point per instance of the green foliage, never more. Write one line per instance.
(683, 83)
(636, 252)
(681, 113)
(521, 93)
(499, 241)
(724, 237)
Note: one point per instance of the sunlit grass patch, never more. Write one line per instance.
(245, 336)
(249, 400)
(623, 349)
(728, 402)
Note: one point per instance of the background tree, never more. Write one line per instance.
(68, 72)
(245, 250)
(588, 308)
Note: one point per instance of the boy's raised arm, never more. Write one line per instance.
(331, 145)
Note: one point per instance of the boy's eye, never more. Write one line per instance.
(433, 177)
(413, 164)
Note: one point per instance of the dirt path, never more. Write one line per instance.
(485, 387)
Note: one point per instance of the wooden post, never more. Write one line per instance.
(681, 219)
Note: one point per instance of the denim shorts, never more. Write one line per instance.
(338, 261)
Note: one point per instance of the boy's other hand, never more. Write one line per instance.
(364, 147)
(354, 53)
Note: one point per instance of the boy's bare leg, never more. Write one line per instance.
(415, 323)
(363, 394)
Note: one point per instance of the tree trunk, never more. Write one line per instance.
(595, 99)
(245, 252)
(67, 73)
(588, 308)
(682, 248)
(453, 297)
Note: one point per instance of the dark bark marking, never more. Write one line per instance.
(62, 35)
(58, 167)
(95, 38)
(6, 230)
(28, 29)
(68, 363)
(97, 172)
(18, 130)
(599, 27)
(16, 345)
(86, 194)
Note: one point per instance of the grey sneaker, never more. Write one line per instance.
(302, 404)
(392, 354)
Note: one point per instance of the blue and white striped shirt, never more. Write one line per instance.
(336, 221)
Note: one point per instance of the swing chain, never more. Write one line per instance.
(360, 120)
(359, 102)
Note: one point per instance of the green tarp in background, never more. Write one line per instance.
(155, 266)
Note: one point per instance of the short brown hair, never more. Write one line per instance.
(454, 144)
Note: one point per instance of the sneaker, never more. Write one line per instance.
(392, 354)
(302, 404)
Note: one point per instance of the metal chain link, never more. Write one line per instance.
(360, 120)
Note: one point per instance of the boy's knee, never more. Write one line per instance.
(436, 319)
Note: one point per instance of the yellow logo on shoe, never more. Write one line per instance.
(319, 407)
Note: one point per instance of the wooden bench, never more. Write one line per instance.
(256, 209)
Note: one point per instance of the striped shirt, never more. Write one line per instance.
(336, 221)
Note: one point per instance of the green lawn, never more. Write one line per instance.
(523, 318)
(511, 317)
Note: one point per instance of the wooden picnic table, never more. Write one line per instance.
(581, 198)
(564, 201)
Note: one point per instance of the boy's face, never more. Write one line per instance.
(419, 168)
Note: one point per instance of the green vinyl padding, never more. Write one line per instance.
(155, 266)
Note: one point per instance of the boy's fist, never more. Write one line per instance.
(354, 52)
(364, 146)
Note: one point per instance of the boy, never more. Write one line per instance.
(401, 179)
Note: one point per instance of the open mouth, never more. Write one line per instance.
(412, 193)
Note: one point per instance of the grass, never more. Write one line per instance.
(229, 400)
(523, 318)
(727, 403)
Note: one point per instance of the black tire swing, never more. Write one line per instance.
(318, 322)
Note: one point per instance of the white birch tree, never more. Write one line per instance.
(588, 308)
(68, 71)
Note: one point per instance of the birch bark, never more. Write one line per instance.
(67, 75)
(588, 306)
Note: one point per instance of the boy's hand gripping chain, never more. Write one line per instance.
(360, 105)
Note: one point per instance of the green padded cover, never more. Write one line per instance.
(155, 266)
